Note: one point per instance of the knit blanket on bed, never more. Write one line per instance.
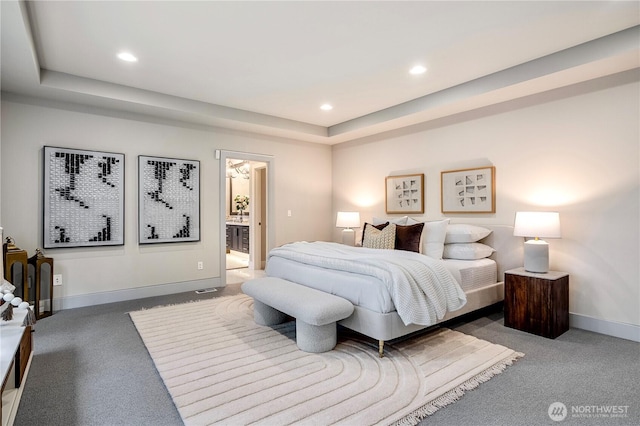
(421, 288)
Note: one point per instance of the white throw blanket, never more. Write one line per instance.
(421, 288)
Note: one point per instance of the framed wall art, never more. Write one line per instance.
(405, 194)
(168, 200)
(83, 198)
(468, 190)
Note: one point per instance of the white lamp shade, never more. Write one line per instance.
(348, 220)
(537, 225)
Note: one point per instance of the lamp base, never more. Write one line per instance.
(536, 256)
(349, 237)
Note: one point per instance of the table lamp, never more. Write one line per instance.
(348, 220)
(537, 225)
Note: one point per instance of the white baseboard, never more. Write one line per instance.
(92, 299)
(610, 328)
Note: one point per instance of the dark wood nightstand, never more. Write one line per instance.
(537, 303)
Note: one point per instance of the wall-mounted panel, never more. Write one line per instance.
(83, 198)
(169, 200)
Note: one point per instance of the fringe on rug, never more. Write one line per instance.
(168, 305)
(182, 303)
(458, 392)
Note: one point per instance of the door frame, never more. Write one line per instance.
(267, 221)
(258, 238)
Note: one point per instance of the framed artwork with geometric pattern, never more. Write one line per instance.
(468, 190)
(168, 200)
(404, 194)
(83, 198)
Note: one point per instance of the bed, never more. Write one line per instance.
(376, 315)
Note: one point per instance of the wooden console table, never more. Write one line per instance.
(16, 351)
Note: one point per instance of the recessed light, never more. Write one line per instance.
(326, 107)
(418, 69)
(128, 57)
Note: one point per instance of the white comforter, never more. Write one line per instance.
(421, 288)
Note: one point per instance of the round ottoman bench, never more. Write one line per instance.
(316, 312)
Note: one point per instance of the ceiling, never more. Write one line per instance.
(266, 67)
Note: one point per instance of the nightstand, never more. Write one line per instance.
(537, 303)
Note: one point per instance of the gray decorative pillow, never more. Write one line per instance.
(379, 238)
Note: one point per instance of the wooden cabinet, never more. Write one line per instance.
(537, 303)
(238, 238)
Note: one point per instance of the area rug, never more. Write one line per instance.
(222, 368)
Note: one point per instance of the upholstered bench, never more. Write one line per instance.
(316, 312)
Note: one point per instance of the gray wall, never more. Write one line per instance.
(574, 150)
(302, 176)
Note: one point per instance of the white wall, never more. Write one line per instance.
(574, 150)
(302, 176)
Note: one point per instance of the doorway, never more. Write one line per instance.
(246, 232)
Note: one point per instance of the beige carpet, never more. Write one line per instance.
(222, 368)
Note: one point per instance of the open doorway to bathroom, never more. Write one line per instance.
(245, 194)
(245, 230)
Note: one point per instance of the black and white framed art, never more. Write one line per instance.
(168, 200)
(404, 194)
(83, 198)
(468, 190)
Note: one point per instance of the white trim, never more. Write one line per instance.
(92, 299)
(610, 328)
(583, 322)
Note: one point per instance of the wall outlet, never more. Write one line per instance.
(57, 279)
(200, 265)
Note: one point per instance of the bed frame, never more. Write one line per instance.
(389, 326)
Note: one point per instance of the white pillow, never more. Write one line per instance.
(461, 233)
(433, 236)
(467, 251)
(397, 220)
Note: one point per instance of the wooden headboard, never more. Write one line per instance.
(509, 249)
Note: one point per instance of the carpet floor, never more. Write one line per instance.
(220, 367)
